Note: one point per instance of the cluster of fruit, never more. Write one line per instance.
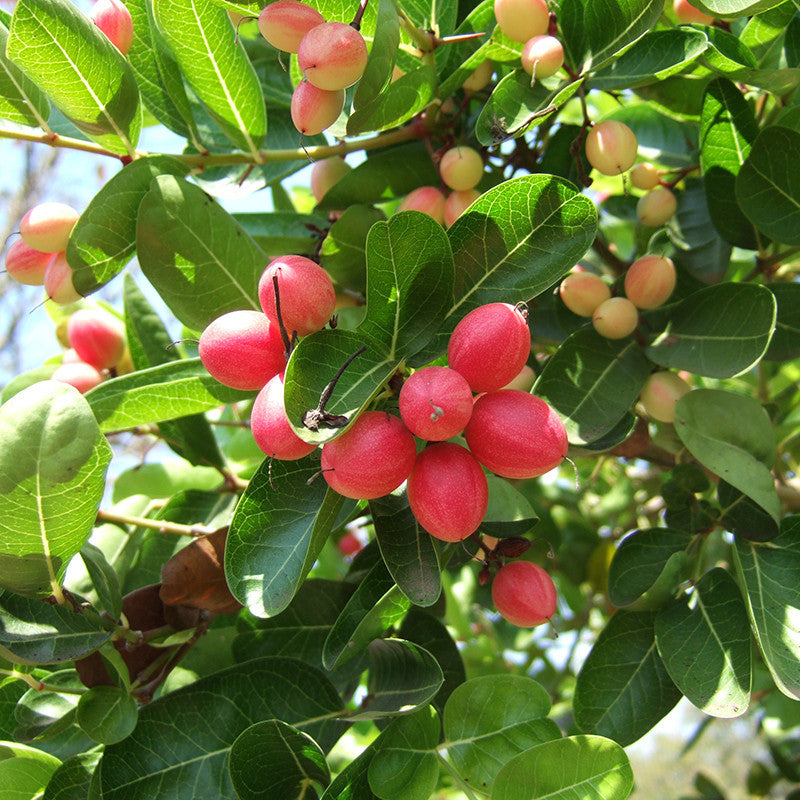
(38, 258)
(331, 55)
(114, 20)
(528, 22)
(649, 282)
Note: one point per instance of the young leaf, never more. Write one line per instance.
(21, 100)
(107, 714)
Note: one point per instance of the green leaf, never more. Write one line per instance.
(382, 54)
(53, 459)
(194, 253)
(744, 517)
(26, 775)
(720, 331)
(72, 779)
(21, 100)
(594, 31)
(728, 129)
(785, 342)
(734, 8)
(733, 437)
(174, 389)
(592, 382)
(623, 688)
(277, 532)
(77, 66)
(767, 574)
(405, 766)
(704, 640)
(509, 512)
(42, 715)
(216, 67)
(104, 580)
(766, 188)
(489, 720)
(656, 56)
(285, 231)
(35, 632)
(274, 761)
(589, 767)
(103, 240)
(107, 714)
(352, 782)
(174, 749)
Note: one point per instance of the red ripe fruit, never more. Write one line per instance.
(284, 23)
(490, 346)
(370, 459)
(307, 296)
(349, 544)
(270, 426)
(524, 594)
(436, 403)
(447, 491)
(242, 349)
(114, 19)
(515, 434)
(97, 337)
(332, 56)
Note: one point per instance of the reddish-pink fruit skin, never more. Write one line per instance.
(427, 199)
(370, 459)
(435, 403)
(313, 110)
(26, 265)
(325, 174)
(349, 544)
(79, 374)
(542, 56)
(270, 426)
(687, 13)
(307, 296)
(242, 349)
(457, 203)
(515, 434)
(58, 281)
(114, 19)
(650, 281)
(524, 594)
(490, 346)
(332, 56)
(284, 23)
(447, 491)
(47, 226)
(97, 337)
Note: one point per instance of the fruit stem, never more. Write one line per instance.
(362, 7)
(288, 342)
(40, 686)
(160, 525)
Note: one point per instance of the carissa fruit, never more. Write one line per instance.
(447, 491)
(115, 21)
(521, 20)
(615, 318)
(326, 173)
(58, 280)
(97, 337)
(542, 56)
(582, 292)
(524, 594)
(649, 281)
(611, 147)
(370, 459)
(47, 226)
(515, 434)
(313, 110)
(26, 265)
(656, 207)
(660, 394)
(490, 346)
(79, 374)
(284, 23)
(332, 56)
(427, 199)
(461, 168)
(435, 403)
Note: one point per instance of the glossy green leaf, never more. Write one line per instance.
(174, 749)
(767, 573)
(733, 437)
(592, 382)
(734, 8)
(72, 779)
(489, 720)
(382, 54)
(174, 389)
(623, 687)
(195, 254)
(662, 138)
(353, 781)
(271, 760)
(785, 342)
(83, 73)
(26, 776)
(589, 767)
(40, 716)
(720, 331)
(21, 100)
(217, 68)
(509, 512)
(704, 640)
(744, 517)
(107, 714)
(280, 525)
(53, 459)
(104, 580)
(284, 231)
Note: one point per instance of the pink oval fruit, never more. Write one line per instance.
(313, 110)
(521, 20)
(542, 56)
(97, 337)
(615, 318)
(47, 226)
(611, 147)
(114, 20)
(461, 168)
(58, 281)
(284, 23)
(427, 199)
(435, 403)
(582, 292)
(649, 281)
(524, 594)
(79, 374)
(332, 56)
(26, 265)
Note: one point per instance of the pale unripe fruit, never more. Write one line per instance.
(447, 491)
(687, 13)
(582, 292)
(660, 393)
(58, 281)
(332, 56)
(114, 19)
(307, 296)
(521, 20)
(615, 318)
(644, 176)
(47, 226)
(542, 56)
(457, 203)
(284, 23)
(242, 349)
(524, 381)
(656, 207)
(26, 265)
(313, 110)
(515, 434)
(611, 147)
(461, 168)
(97, 337)
(370, 459)
(490, 345)
(427, 199)
(479, 78)
(79, 374)
(435, 403)
(524, 594)
(649, 281)
(325, 174)
(270, 426)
